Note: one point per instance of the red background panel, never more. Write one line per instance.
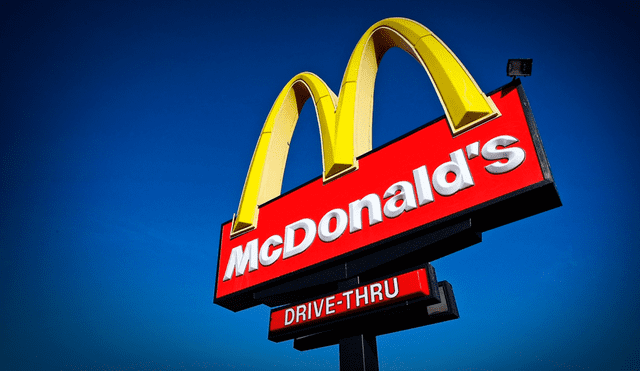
(378, 170)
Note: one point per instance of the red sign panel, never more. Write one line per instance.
(412, 182)
(374, 295)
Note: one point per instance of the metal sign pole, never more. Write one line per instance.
(359, 353)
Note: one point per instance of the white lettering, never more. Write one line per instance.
(472, 150)
(341, 224)
(301, 312)
(239, 260)
(288, 321)
(399, 197)
(423, 187)
(347, 295)
(309, 228)
(329, 305)
(514, 155)
(376, 290)
(265, 258)
(458, 166)
(363, 296)
(318, 310)
(386, 288)
(372, 203)
(405, 189)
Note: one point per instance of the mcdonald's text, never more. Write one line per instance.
(447, 179)
(399, 190)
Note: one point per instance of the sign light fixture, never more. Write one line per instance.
(519, 67)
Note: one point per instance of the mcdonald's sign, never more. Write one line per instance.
(478, 167)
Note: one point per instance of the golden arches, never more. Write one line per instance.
(345, 123)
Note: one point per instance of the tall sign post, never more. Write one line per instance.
(345, 257)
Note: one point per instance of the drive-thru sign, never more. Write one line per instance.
(385, 292)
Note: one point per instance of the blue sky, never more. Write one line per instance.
(126, 130)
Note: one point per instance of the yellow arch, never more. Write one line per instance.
(464, 103)
(264, 179)
(345, 124)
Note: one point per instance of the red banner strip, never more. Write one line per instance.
(366, 297)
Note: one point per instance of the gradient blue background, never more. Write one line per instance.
(126, 130)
